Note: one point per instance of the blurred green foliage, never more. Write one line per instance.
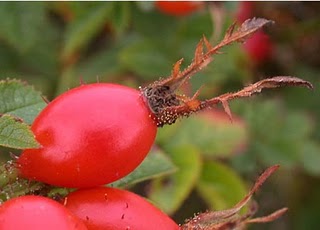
(56, 45)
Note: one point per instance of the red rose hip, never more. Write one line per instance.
(91, 135)
(37, 213)
(114, 209)
(178, 8)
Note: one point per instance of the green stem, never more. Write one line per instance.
(12, 185)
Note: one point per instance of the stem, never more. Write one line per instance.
(230, 218)
(12, 185)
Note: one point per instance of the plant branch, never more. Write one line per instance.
(230, 218)
(201, 59)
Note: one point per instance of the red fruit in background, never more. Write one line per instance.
(178, 8)
(91, 135)
(259, 47)
(37, 213)
(244, 11)
(114, 209)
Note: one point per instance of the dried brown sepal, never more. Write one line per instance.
(176, 68)
(271, 217)
(170, 113)
(230, 218)
(201, 59)
(167, 106)
(255, 88)
(207, 43)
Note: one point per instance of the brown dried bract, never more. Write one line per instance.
(167, 106)
(231, 219)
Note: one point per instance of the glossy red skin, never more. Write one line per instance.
(91, 135)
(37, 213)
(178, 8)
(114, 209)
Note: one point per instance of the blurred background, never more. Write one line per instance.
(56, 45)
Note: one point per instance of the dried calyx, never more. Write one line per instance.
(167, 106)
(231, 218)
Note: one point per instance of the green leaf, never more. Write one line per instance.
(146, 59)
(145, 5)
(21, 23)
(154, 25)
(307, 207)
(156, 164)
(279, 152)
(44, 58)
(15, 134)
(20, 100)
(84, 28)
(121, 17)
(310, 158)
(190, 31)
(101, 65)
(279, 137)
(195, 25)
(215, 135)
(104, 63)
(220, 186)
(169, 193)
(8, 58)
(166, 133)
